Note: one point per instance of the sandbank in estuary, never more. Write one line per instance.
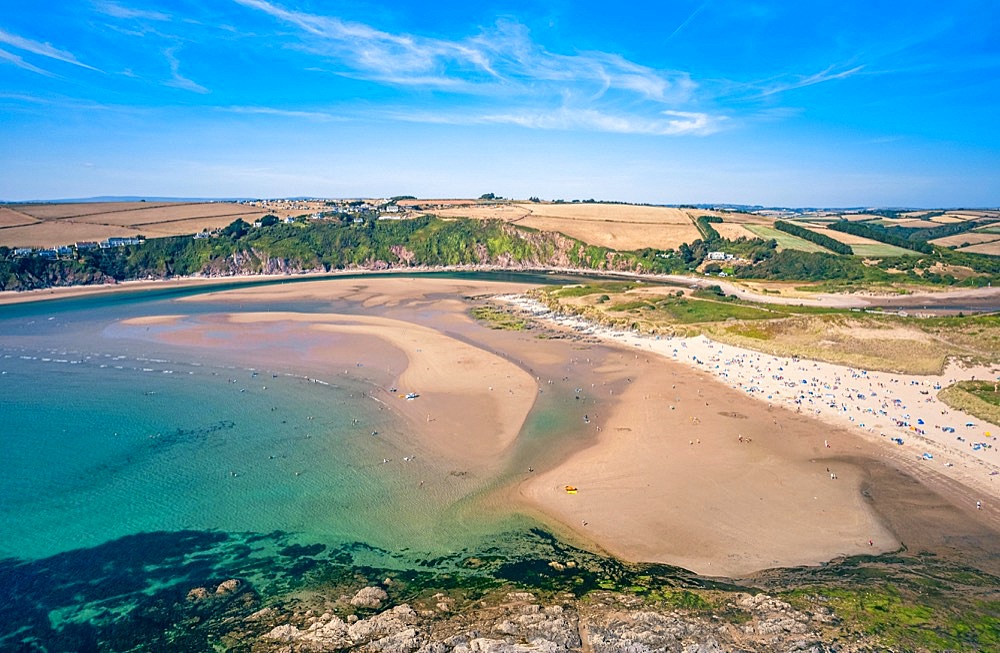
(672, 466)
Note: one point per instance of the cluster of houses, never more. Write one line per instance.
(76, 248)
(318, 209)
(293, 210)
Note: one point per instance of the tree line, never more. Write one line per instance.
(813, 236)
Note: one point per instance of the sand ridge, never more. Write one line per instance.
(469, 401)
(674, 465)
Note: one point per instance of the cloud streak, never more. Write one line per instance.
(319, 116)
(177, 80)
(40, 49)
(583, 90)
(670, 123)
(21, 63)
(116, 10)
(827, 75)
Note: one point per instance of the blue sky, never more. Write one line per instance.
(774, 102)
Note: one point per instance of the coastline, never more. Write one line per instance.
(656, 484)
(862, 300)
(650, 444)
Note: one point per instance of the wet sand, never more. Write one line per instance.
(670, 464)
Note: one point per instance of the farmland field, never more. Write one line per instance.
(874, 249)
(856, 217)
(992, 249)
(78, 210)
(840, 236)
(505, 212)
(862, 246)
(733, 231)
(50, 225)
(785, 241)
(910, 224)
(618, 226)
(11, 218)
(970, 237)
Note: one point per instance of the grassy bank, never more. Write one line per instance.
(873, 341)
(978, 398)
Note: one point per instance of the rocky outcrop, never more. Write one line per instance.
(390, 632)
(369, 597)
(603, 623)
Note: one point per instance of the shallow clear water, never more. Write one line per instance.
(131, 465)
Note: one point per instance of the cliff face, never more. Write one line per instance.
(497, 245)
(52, 276)
(251, 262)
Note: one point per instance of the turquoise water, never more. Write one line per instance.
(131, 466)
(107, 436)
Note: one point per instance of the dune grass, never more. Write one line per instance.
(496, 318)
(977, 398)
(888, 343)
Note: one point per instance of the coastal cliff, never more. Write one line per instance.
(291, 249)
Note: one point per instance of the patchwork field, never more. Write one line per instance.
(841, 237)
(51, 225)
(733, 231)
(910, 224)
(618, 226)
(970, 237)
(785, 241)
(879, 250)
(993, 249)
(506, 212)
(861, 246)
(11, 218)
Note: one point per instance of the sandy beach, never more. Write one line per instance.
(683, 451)
(744, 450)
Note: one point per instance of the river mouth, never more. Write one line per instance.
(78, 593)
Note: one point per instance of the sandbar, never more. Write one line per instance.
(672, 463)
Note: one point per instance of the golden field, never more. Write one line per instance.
(733, 231)
(618, 226)
(51, 225)
(970, 237)
(841, 237)
(993, 248)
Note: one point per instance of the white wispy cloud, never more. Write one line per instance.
(687, 20)
(584, 90)
(319, 116)
(669, 123)
(828, 75)
(40, 49)
(120, 11)
(180, 81)
(21, 63)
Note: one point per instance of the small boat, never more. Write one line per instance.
(571, 489)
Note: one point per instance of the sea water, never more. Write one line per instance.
(131, 465)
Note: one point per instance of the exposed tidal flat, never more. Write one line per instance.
(156, 448)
